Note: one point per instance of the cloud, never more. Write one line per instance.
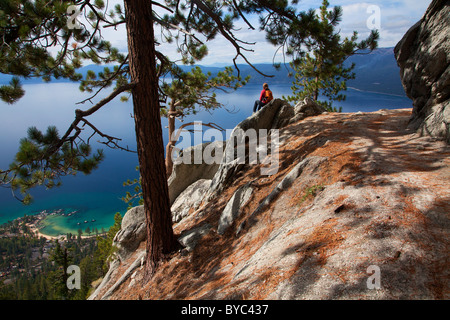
(396, 17)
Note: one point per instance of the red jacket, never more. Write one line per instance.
(265, 98)
(262, 95)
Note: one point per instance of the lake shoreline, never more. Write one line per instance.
(37, 226)
(68, 212)
(34, 227)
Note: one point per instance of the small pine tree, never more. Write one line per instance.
(135, 198)
(321, 72)
(105, 249)
(60, 255)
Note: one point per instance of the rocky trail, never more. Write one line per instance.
(354, 192)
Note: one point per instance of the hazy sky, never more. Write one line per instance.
(394, 18)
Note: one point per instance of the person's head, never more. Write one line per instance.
(265, 86)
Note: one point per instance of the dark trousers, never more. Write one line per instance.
(258, 105)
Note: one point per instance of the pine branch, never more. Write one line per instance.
(175, 27)
(111, 141)
(106, 81)
(80, 114)
(229, 36)
(236, 6)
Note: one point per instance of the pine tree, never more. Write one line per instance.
(322, 72)
(31, 30)
(60, 255)
(105, 249)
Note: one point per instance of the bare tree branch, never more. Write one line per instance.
(228, 35)
(111, 141)
(80, 114)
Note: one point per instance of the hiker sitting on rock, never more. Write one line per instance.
(265, 97)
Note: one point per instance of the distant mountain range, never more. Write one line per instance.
(376, 72)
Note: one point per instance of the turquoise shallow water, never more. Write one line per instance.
(100, 207)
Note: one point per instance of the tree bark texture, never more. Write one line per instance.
(142, 62)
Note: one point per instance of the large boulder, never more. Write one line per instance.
(306, 108)
(190, 199)
(186, 173)
(423, 56)
(131, 233)
(273, 115)
(234, 207)
(283, 116)
(264, 118)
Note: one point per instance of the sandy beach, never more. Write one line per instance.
(39, 234)
(33, 227)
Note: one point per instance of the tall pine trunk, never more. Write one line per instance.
(142, 62)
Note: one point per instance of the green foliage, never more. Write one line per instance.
(29, 29)
(321, 71)
(311, 192)
(61, 257)
(31, 32)
(106, 250)
(44, 278)
(135, 197)
(189, 91)
(12, 92)
(286, 29)
(37, 164)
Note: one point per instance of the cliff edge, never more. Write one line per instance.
(358, 209)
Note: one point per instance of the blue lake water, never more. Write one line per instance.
(97, 196)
